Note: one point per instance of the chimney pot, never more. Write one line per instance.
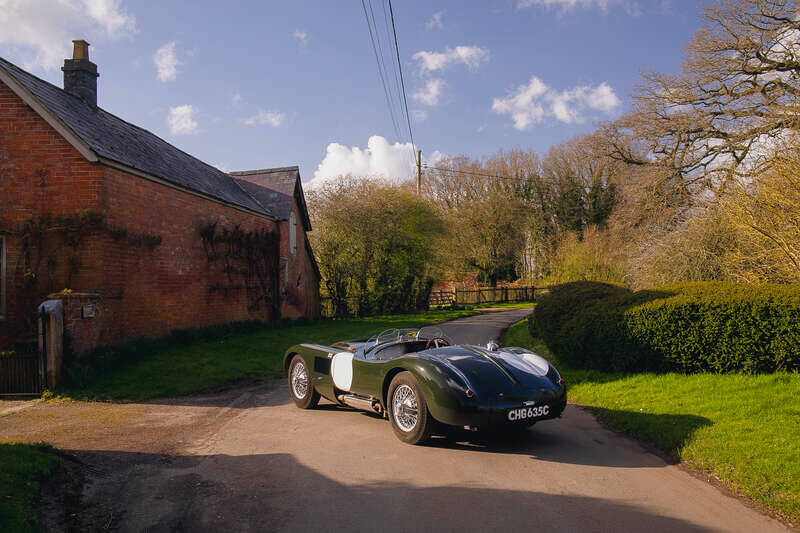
(80, 49)
(80, 74)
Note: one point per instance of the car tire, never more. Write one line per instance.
(404, 393)
(301, 388)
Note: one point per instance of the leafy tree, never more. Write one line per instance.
(373, 243)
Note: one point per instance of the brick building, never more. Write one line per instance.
(155, 237)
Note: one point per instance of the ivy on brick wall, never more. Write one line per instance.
(250, 261)
(49, 243)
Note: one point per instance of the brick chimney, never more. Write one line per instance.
(80, 74)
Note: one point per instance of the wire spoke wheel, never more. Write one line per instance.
(404, 407)
(299, 380)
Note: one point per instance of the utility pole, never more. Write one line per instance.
(419, 173)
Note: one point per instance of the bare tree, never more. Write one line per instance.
(737, 94)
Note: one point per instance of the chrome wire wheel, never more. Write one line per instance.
(299, 380)
(404, 407)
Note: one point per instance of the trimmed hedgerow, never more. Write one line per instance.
(687, 327)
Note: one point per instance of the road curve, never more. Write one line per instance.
(275, 467)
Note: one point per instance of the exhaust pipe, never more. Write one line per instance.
(361, 403)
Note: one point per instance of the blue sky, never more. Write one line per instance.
(245, 85)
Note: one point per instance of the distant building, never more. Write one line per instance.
(280, 190)
(154, 237)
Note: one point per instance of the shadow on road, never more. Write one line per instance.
(561, 441)
(274, 492)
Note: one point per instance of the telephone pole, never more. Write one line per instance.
(419, 173)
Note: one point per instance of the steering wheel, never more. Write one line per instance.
(435, 342)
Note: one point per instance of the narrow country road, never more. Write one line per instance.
(248, 460)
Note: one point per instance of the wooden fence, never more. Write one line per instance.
(483, 295)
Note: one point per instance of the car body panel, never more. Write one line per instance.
(462, 385)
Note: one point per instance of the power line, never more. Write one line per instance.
(471, 173)
(379, 61)
(480, 174)
(402, 81)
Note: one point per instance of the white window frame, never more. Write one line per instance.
(3, 288)
(292, 233)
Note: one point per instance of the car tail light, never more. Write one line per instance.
(560, 381)
(469, 393)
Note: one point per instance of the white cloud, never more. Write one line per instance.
(110, 14)
(563, 6)
(429, 95)
(380, 159)
(419, 115)
(166, 62)
(435, 22)
(533, 102)
(181, 120)
(265, 118)
(41, 31)
(236, 99)
(471, 56)
(301, 37)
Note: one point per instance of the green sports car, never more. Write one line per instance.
(418, 378)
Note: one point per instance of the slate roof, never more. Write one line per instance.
(112, 138)
(274, 188)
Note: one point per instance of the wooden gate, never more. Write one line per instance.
(20, 374)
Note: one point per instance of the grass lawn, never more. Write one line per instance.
(198, 366)
(744, 430)
(22, 467)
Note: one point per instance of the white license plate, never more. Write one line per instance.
(528, 413)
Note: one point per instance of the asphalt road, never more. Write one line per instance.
(249, 460)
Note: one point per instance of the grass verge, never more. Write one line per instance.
(23, 467)
(742, 429)
(195, 366)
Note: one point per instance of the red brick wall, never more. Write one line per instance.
(144, 291)
(40, 173)
(301, 295)
(150, 292)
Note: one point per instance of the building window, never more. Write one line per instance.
(292, 234)
(2, 277)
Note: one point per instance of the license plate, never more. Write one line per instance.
(528, 413)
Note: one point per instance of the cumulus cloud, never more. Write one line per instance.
(531, 103)
(435, 22)
(41, 31)
(380, 159)
(166, 62)
(429, 95)
(301, 37)
(265, 118)
(471, 56)
(181, 120)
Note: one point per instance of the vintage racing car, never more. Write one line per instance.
(417, 378)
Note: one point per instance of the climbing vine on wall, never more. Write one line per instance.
(50, 251)
(250, 261)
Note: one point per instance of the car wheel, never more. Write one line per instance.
(303, 392)
(411, 420)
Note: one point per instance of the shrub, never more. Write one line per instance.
(689, 327)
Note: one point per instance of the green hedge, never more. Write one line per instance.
(687, 327)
